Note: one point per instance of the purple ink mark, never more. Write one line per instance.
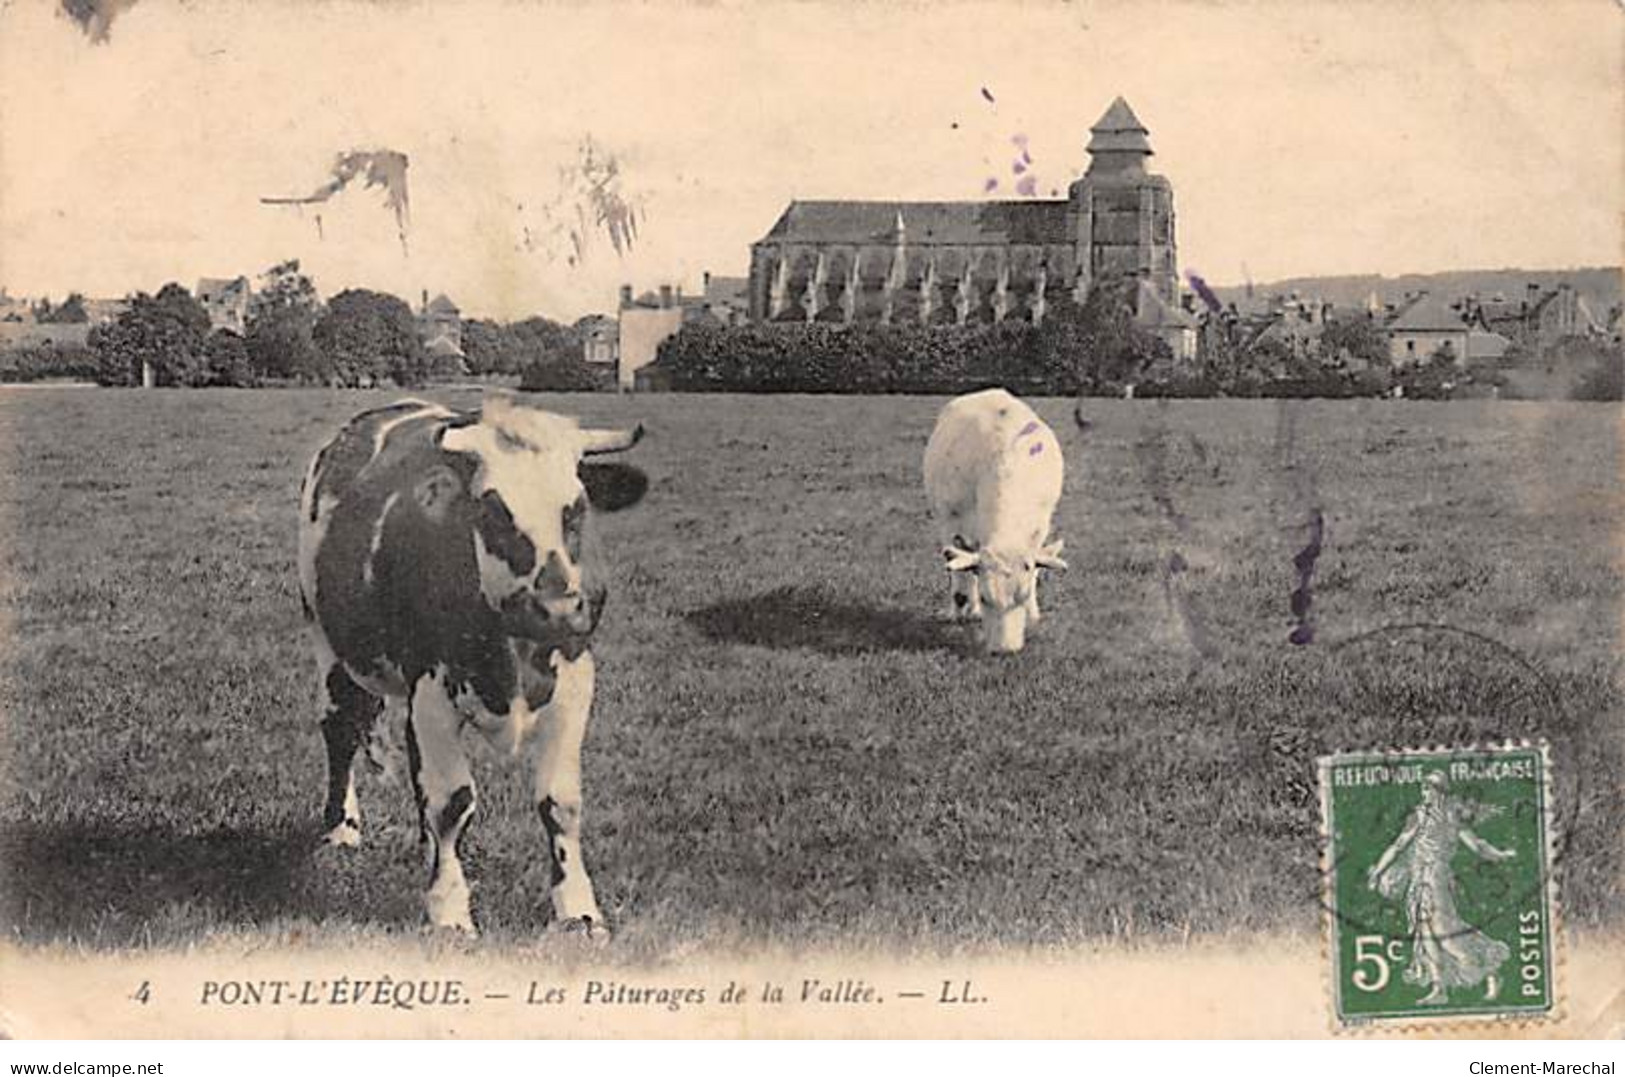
(1028, 429)
(1038, 447)
(1028, 186)
(1017, 167)
(1304, 563)
(1026, 158)
(991, 185)
(987, 94)
(1199, 286)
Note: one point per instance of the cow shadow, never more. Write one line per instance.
(794, 617)
(111, 884)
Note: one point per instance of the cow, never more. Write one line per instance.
(441, 565)
(993, 474)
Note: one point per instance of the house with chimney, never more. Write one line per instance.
(1540, 319)
(1174, 325)
(440, 328)
(646, 320)
(1426, 324)
(226, 301)
(600, 339)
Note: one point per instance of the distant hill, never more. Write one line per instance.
(1601, 286)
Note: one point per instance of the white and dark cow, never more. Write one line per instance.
(440, 558)
(993, 474)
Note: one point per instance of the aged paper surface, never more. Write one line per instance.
(806, 814)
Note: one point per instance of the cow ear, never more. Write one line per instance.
(612, 487)
(1050, 557)
(958, 560)
(436, 492)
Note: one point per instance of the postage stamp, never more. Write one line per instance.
(1438, 877)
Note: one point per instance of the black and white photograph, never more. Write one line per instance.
(811, 519)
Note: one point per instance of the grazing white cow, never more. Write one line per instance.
(440, 563)
(993, 473)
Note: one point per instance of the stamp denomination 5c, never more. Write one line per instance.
(1438, 884)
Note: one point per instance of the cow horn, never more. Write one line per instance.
(594, 442)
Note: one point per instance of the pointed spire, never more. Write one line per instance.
(1119, 117)
(1119, 131)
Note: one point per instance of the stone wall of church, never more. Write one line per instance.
(1126, 223)
(940, 284)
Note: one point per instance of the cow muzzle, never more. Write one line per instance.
(1004, 631)
(527, 615)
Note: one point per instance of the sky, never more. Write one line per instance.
(1300, 138)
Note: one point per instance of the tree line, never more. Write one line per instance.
(358, 338)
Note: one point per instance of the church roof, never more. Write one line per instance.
(925, 223)
(1119, 131)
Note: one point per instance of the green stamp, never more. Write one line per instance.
(1438, 884)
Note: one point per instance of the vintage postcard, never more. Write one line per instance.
(811, 519)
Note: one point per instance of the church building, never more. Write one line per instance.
(975, 263)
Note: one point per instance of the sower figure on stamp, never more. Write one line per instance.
(1446, 951)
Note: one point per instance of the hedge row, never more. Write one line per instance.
(39, 362)
(869, 359)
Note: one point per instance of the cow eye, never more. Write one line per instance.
(502, 535)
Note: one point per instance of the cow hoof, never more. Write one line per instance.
(454, 925)
(462, 929)
(590, 928)
(346, 835)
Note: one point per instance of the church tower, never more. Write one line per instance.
(1121, 217)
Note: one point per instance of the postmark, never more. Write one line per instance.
(1438, 875)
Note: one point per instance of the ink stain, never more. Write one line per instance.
(590, 202)
(991, 185)
(1028, 186)
(376, 168)
(95, 17)
(1036, 449)
(1152, 454)
(987, 95)
(1302, 598)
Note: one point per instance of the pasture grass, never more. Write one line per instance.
(789, 747)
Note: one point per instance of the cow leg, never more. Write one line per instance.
(558, 792)
(1032, 603)
(964, 598)
(445, 794)
(348, 712)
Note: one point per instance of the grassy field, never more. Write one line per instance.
(788, 747)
